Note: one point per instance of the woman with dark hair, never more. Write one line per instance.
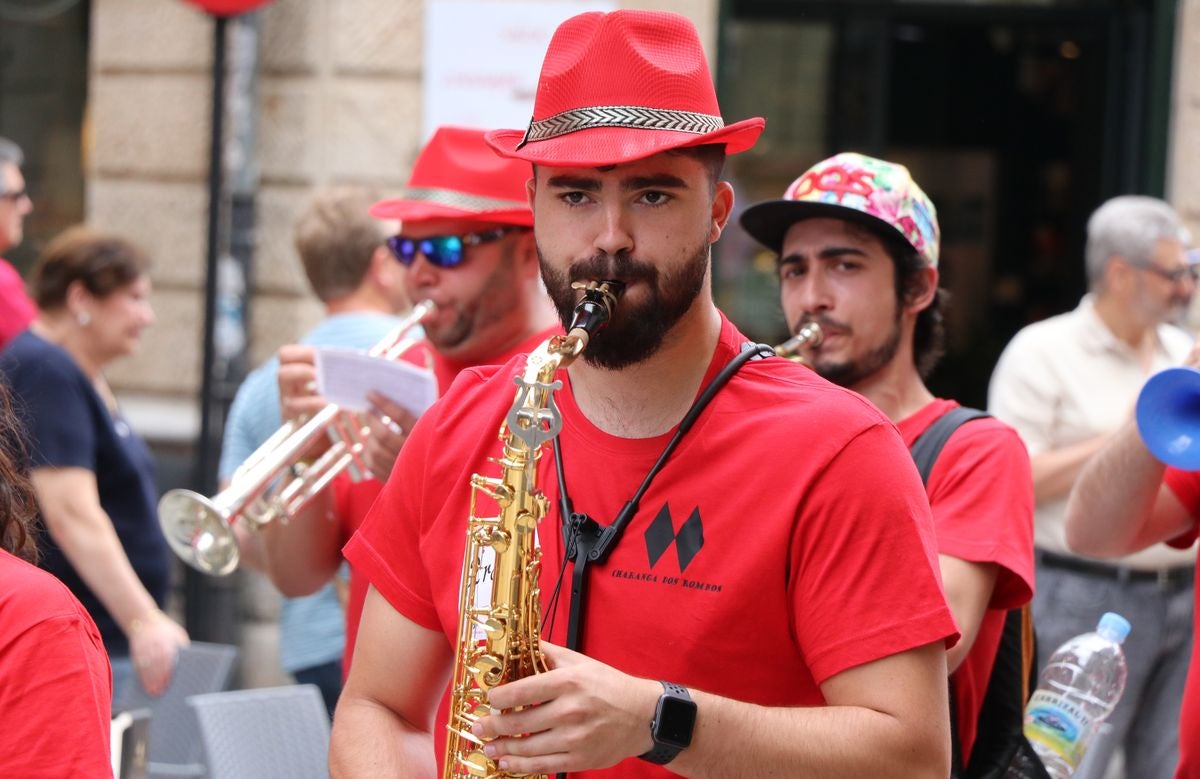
(55, 689)
(94, 479)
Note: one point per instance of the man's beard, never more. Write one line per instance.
(850, 373)
(636, 331)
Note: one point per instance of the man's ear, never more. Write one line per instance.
(922, 298)
(1118, 273)
(722, 208)
(383, 269)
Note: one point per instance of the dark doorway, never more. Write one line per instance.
(43, 90)
(1017, 119)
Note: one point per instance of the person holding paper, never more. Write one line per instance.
(350, 269)
(467, 242)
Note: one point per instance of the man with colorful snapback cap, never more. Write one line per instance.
(742, 617)
(465, 241)
(858, 246)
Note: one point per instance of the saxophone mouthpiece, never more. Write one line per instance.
(594, 310)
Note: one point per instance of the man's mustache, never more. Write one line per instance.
(826, 323)
(613, 266)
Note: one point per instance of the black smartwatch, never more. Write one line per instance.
(671, 728)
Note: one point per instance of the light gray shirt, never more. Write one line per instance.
(1067, 379)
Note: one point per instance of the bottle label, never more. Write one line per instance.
(1055, 722)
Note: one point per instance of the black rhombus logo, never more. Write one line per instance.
(661, 534)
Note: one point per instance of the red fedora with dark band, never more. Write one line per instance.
(458, 176)
(623, 86)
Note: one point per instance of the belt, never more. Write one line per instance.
(1165, 578)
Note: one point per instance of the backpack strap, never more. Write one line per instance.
(928, 446)
(925, 451)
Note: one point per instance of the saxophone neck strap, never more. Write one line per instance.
(587, 541)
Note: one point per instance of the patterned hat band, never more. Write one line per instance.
(637, 117)
(461, 200)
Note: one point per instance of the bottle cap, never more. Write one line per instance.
(1113, 626)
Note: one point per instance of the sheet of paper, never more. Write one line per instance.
(345, 376)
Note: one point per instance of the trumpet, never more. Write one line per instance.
(808, 336)
(275, 483)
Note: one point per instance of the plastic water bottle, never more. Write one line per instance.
(1080, 686)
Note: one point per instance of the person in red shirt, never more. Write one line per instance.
(858, 246)
(17, 310)
(55, 682)
(1126, 500)
(466, 241)
(746, 622)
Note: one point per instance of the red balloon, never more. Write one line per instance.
(227, 7)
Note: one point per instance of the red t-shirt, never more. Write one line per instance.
(55, 682)
(981, 493)
(787, 539)
(16, 309)
(1186, 486)
(354, 499)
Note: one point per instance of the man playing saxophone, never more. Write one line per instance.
(746, 622)
(465, 241)
(865, 269)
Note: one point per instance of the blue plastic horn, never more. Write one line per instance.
(1168, 417)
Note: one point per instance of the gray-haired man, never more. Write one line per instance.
(1066, 384)
(16, 309)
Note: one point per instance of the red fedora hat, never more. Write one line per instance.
(622, 86)
(457, 176)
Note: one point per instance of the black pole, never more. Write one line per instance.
(211, 603)
(206, 461)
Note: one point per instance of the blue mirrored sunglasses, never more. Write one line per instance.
(443, 251)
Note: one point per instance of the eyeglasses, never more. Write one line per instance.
(442, 251)
(1174, 276)
(15, 197)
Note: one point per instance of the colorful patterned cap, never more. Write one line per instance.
(875, 193)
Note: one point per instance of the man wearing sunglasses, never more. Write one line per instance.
(466, 241)
(16, 309)
(1067, 384)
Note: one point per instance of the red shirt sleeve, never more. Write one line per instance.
(981, 493)
(853, 609)
(1186, 486)
(16, 309)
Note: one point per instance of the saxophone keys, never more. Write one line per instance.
(477, 764)
(487, 670)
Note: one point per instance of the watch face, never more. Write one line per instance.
(677, 716)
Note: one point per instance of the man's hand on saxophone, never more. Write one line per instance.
(582, 713)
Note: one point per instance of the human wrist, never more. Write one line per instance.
(138, 624)
(672, 726)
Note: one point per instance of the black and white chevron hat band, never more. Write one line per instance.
(461, 200)
(637, 117)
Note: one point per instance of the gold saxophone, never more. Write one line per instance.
(498, 637)
(808, 336)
